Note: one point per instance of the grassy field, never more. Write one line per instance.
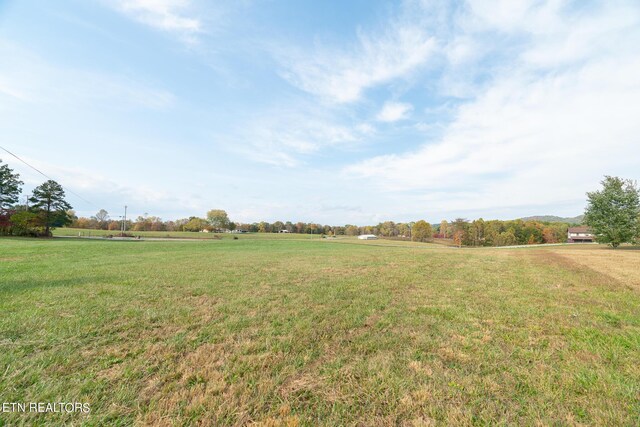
(81, 232)
(314, 332)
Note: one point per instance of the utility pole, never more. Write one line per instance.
(124, 222)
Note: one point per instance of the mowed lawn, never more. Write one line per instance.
(294, 332)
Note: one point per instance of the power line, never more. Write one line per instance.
(48, 177)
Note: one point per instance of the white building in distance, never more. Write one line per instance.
(367, 237)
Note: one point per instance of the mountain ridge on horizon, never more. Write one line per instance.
(553, 218)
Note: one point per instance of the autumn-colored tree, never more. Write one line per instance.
(352, 230)
(218, 219)
(81, 222)
(458, 237)
(444, 228)
(195, 224)
(548, 235)
(460, 231)
(422, 231)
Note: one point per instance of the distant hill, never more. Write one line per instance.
(552, 218)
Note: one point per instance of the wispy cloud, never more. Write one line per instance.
(342, 74)
(544, 128)
(394, 111)
(284, 137)
(166, 15)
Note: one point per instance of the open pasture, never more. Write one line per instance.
(81, 232)
(314, 332)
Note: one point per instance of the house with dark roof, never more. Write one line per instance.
(580, 234)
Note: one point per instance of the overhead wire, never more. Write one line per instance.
(48, 177)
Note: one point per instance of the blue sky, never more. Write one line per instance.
(332, 112)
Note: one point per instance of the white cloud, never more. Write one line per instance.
(285, 136)
(394, 111)
(545, 127)
(166, 15)
(342, 75)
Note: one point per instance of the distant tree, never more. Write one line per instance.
(549, 234)
(352, 230)
(218, 219)
(460, 231)
(506, 238)
(9, 187)
(102, 216)
(195, 224)
(444, 228)
(475, 233)
(388, 229)
(82, 223)
(422, 231)
(613, 213)
(48, 200)
(458, 237)
(492, 230)
(532, 232)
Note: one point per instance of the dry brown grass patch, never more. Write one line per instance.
(587, 268)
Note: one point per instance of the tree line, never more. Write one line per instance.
(45, 209)
(613, 213)
(461, 231)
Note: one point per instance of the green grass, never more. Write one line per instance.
(81, 232)
(285, 331)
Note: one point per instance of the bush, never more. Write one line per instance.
(27, 223)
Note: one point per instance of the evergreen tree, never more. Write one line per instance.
(9, 187)
(49, 202)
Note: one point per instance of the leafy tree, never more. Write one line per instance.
(506, 238)
(422, 231)
(48, 201)
(218, 219)
(613, 213)
(352, 230)
(388, 228)
(195, 224)
(9, 187)
(444, 228)
(460, 231)
(25, 223)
